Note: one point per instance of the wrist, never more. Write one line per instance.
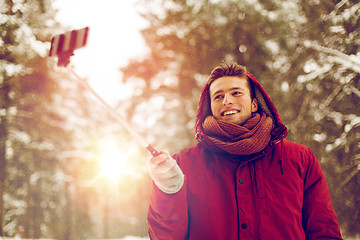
(177, 185)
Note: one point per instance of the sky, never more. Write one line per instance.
(114, 37)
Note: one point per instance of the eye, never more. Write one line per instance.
(236, 93)
(217, 97)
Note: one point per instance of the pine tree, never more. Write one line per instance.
(25, 28)
(187, 39)
(325, 76)
(305, 54)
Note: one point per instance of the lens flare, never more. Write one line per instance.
(112, 161)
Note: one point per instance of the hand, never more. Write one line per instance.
(166, 173)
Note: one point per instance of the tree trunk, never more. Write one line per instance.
(4, 91)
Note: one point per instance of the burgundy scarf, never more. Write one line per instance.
(251, 137)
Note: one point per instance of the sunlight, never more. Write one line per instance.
(114, 38)
(112, 161)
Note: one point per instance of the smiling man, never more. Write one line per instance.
(242, 180)
(231, 99)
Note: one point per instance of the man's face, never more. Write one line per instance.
(231, 100)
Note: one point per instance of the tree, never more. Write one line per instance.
(30, 125)
(51, 185)
(305, 54)
(325, 76)
(187, 39)
(14, 30)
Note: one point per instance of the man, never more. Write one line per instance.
(242, 180)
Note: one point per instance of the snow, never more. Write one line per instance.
(125, 238)
(315, 72)
(133, 238)
(342, 140)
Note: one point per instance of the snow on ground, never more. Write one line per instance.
(125, 238)
(134, 238)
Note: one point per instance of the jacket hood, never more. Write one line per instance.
(265, 104)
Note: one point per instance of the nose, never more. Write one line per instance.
(227, 100)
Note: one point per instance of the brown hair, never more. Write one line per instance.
(232, 69)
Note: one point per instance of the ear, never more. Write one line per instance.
(254, 105)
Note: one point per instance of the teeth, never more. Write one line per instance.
(229, 112)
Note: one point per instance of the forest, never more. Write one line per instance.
(306, 54)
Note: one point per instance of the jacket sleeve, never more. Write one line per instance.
(168, 214)
(319, 218)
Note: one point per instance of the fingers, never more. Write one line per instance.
(162, 157)
(166, 173)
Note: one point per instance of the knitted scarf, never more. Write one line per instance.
(251, 137)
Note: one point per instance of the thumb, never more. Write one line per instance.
(162, 157)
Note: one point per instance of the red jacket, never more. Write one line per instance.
(233, 197)
(278, 193)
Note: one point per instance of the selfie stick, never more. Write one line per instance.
(63, 47)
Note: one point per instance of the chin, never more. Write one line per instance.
(241, 121)
(237, 122)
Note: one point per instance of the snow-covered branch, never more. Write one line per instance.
(349, 61)
(350, 176)
(342, 140)
(314, 74)
(355, 91)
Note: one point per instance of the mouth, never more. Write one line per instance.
(229, 112)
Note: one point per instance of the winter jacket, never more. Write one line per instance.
(278, 193)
